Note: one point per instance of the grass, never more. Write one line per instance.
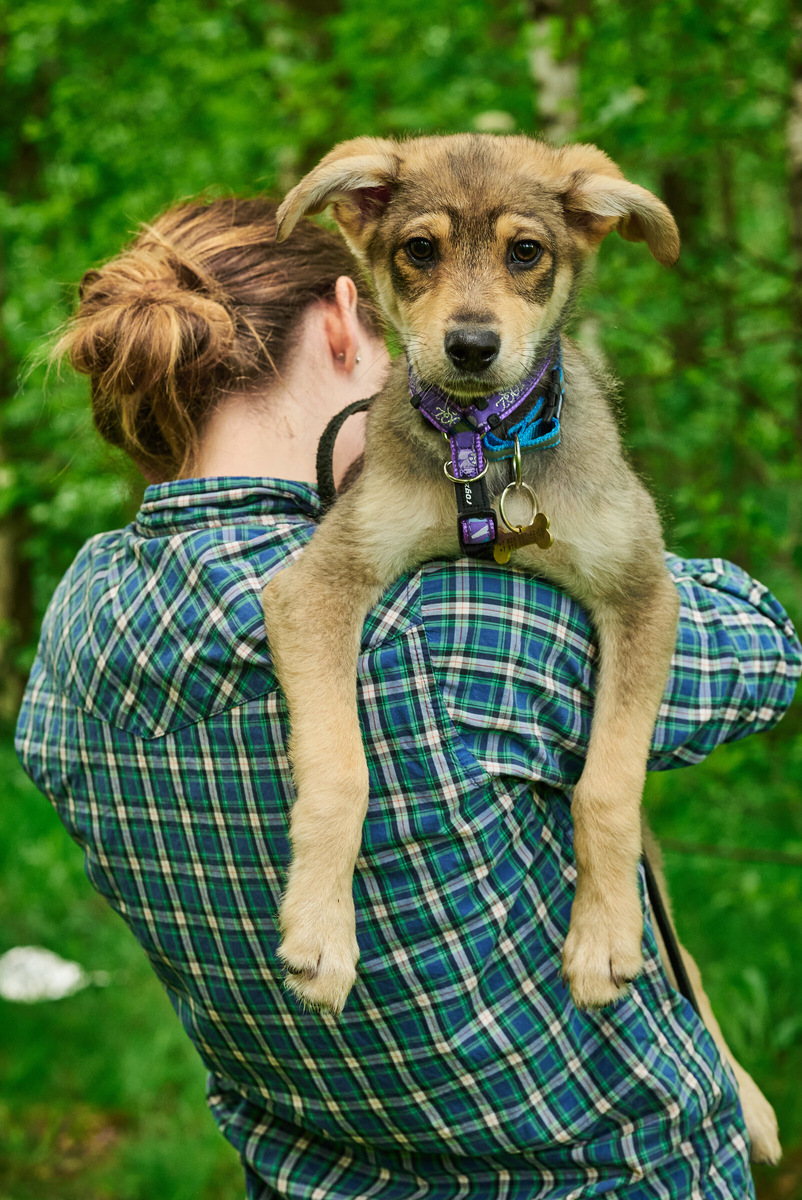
(102, 1094)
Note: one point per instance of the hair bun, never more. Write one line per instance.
(149, 322)
(153, 331)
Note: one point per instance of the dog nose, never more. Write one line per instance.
(472, 349)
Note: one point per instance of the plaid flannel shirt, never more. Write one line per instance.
(460, 1068)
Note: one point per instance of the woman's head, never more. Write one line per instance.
(204, 303)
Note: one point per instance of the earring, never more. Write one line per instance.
(341, 356)
(358, 358)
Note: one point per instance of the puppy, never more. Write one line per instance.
(476, 246)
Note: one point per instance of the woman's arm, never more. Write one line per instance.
(515, 661)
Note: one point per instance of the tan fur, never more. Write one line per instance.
(474, 196)
(759, 1116)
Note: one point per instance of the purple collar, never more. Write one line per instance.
(442, 411)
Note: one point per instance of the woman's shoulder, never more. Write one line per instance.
(152, 631)
(159, 624)
(491, 610)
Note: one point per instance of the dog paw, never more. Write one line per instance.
(760, 1121)
(322, 979)
(319, 951)
(600, 959)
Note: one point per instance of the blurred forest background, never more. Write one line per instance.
(111, 111)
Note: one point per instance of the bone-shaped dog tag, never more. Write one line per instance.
(539, 532)
(536, 534)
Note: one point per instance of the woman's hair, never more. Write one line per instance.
(202, 303)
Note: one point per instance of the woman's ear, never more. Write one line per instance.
(342, 324)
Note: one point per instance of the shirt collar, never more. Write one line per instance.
(189, 503)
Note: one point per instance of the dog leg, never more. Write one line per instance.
(759, 1116)
(602, 952)
(314, 614)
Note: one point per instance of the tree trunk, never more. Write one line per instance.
(681, 189)
(558, 103)
(556, 79)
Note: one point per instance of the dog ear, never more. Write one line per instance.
(356, 177)
(597, 199)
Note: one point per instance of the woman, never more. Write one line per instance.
(152, 720)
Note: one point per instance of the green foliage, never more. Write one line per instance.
(694, 101)
(111, 112)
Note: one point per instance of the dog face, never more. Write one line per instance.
(476, 243)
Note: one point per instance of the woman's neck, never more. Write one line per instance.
(263, 436)
(275, 431)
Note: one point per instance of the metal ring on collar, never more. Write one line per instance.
(468, 478)
(532, 500)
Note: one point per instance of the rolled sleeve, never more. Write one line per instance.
(736, 665)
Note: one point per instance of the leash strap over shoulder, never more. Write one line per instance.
(324, 463)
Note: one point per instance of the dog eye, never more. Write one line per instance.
(527, 251)
(420, 249)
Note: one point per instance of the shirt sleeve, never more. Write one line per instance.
(515, 661)
(736, 666)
